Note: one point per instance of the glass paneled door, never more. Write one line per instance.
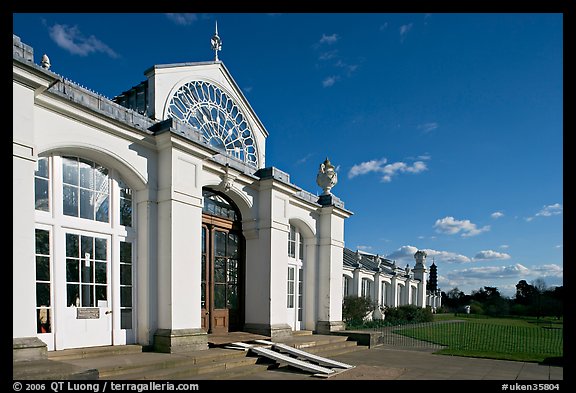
(84, 305)
(220, 285)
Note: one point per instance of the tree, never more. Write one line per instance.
(525, 293)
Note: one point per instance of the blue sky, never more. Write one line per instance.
(446, 128)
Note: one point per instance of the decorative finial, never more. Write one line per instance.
(216, 43)
(326, 177)
(45, 62)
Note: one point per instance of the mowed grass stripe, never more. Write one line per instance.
(489, 340)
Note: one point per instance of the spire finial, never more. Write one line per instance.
(216, 43)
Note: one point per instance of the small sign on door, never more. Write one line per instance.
(87, 313)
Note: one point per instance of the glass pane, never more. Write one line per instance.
(70, 201)
(73, 295)
(86, 175)
(101, 272)
(101, 207)
(203, 240)
(126, 318)
(101, 179)
(72, 249)
(300, 249)
(86, 204)
(41, 194)
(43, 268)
(220, 296)
(126, 252)
(87, 271)
(203, 295)
(232, 297)
(219, 270)
(86, 298)
(100, 245)
(101, 293)
(42, 165)
(87, 247)
(125, 274)
(232, 271)
(43, 318)
(42, 294)
(126, 296)
(292, 249)
(70, 170)
(291, 273)
(203, 268)
(42, 242)
(126, 212)
(72, 270)
(233, 245)
(220, 243)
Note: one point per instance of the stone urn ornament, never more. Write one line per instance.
(327, 177)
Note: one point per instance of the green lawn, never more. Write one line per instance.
(520, 339)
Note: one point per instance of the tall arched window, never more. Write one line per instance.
(295, 278)
(84, 252)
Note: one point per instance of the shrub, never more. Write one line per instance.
(355, 309)
(408, 314)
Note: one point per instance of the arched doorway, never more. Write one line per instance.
(223, 264)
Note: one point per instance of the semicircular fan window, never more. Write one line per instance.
(221, 122)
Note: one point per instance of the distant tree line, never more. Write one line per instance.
(530, 300)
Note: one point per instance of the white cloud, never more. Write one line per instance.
(182, 19)
(549, 270)
(387, 170)
(404, 29)
(496, 215)
(450, 226)
(446, 256)
(304, 159)
(547, 211)
(406, 253)
(504, 246)
(502, 277)
(367, 167)
(248, 89)
(364, 248)
(427, 127)
(71, 39)
(558, 246)
(329, 81)
(487, 273)
(328, 55)
(490, 254)
(329, 39)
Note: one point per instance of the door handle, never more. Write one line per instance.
(108, 312)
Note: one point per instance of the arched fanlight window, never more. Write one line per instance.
(220, 120)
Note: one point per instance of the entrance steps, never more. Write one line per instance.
(132, 362)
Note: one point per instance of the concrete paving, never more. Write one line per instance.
(378, 363)
(389, 363)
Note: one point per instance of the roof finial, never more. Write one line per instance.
(216, 43)
(45, 62)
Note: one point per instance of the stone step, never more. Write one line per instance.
(130, 362)
(188, 370)
(84, 353)
(150, 363)
(302, 333)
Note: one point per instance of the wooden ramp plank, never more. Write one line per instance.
(310, 356)
(314, 368)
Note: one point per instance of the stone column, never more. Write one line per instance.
(179, 250)
(330, 260)
(420, 273)
(26, 345)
